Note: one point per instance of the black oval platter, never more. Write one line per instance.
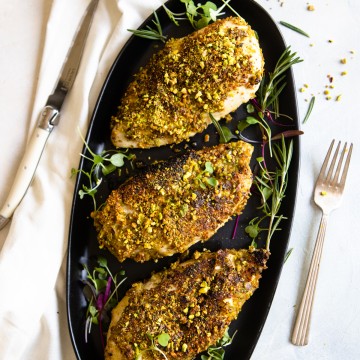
(83, 246)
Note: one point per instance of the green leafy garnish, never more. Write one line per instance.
(217, 351)
(294, 28)
(271, 186)
(161, 339)
(224, 132)
(149, 32)
(199, 15)
(175, 17)
(101, 291)
(203, 177)
(105, 163)
(309, 110)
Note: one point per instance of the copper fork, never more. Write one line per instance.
(328, 193)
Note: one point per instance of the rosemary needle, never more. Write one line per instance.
(149, 32)
(288, 254)
(311, 105)
(294, 28)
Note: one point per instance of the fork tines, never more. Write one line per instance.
(329, 177)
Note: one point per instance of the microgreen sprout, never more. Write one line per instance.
(203, 177)
(217, 351)
(175, 17)
(101, 291)
(161, 339)
(224, 132)
(149, 32)
(199, 15)
(106, 162)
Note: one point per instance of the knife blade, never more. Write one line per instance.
(49, 117)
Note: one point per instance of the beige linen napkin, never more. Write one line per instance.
(36, 244)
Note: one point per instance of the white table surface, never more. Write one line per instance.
(335, 34)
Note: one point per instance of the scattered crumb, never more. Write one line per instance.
(343, 61)
(310, 7)
(343, 73)
(338, 98)
(331, 79)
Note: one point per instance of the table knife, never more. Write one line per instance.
(49, 118)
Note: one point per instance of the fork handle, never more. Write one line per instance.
(300, 334)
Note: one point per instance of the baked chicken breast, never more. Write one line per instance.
(213, 70)
(175, 203)
(193, 303)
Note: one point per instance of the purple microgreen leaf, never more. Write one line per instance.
(100, 302)
(107, 290)
(235, 228)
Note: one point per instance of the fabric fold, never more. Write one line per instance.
(31, 260)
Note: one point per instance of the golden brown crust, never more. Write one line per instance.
(212, 70)
(175, 203)
(193, 302)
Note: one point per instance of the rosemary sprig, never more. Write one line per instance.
(294, 28)
(271, 186)
(149, 32)
(309, 110)
(271, 88)
(268, 95)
